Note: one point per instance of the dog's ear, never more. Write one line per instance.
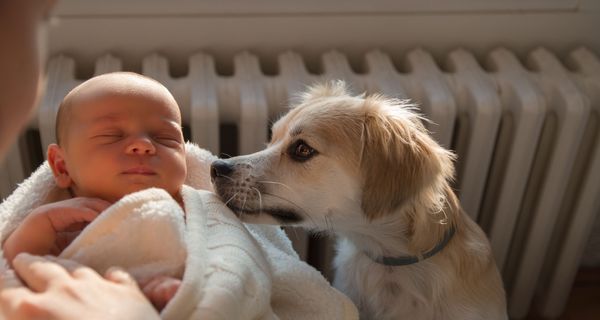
(399, 158)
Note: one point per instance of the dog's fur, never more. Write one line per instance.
(366, 169)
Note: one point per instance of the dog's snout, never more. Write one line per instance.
(220, 168)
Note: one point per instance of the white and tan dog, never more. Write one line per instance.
(366, 169)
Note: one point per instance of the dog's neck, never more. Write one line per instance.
(387, 236)
(399, 233)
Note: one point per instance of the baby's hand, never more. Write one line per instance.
(161, 290)
(45, 230)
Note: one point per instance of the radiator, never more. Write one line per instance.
(525, 130)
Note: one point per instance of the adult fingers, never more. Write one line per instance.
(18, 303)
(38, 272)
(76, 270)
(118, 275)
(69, 266)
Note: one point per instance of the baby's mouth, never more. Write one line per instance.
(141, 170)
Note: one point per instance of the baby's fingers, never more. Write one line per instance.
(95, 204)
(161, 290)
(64, 220)
(168, 288)
(149, 287)
(64, 239)
(76, 215)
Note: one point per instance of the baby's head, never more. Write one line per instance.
(116, 134)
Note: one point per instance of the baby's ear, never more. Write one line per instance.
(56, 160)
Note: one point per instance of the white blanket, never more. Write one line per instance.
(229, 270)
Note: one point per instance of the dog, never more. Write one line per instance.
(366, 169)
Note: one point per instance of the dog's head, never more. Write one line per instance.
(332, 156)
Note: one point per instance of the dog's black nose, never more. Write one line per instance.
(220, 168)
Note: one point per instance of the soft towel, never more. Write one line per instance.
(229, 270)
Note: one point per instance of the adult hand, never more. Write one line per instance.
(49, 228)
(62, 289)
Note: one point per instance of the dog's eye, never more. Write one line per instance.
(300, 151)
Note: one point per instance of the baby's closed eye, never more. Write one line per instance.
(169, 139)
(108, 137)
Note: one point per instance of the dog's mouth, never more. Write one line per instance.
(283, 216)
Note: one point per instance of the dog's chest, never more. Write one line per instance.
(380, 292)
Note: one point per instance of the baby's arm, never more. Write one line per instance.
(40, 232)
(161, 290)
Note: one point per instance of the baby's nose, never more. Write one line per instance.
(141, 146)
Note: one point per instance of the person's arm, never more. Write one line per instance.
(21, 64)
(62, 289)
(43, 231)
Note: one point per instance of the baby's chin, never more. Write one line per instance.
(175, 193)
(117, 195)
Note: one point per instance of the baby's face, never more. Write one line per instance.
(116, 144)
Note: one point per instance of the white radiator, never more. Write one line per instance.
(525, 130)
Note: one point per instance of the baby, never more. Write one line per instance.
(116, 134)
